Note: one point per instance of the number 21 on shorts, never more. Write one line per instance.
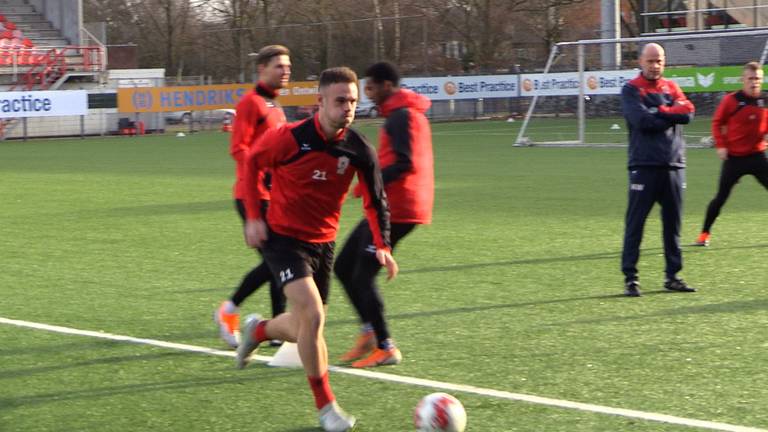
(286, 275)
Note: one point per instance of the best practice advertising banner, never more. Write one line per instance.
(17, 104)
(206, 97)
(459, 87)
(567, 83)
(690, 80)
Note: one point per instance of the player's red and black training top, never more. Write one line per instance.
(256, 112)
(405, 154)
(311, 177)
(745, 122)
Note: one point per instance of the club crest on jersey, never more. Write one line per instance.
(342, 165)
(760, 103)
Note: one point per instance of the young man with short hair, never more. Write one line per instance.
(405, 155)
(739, 127)
(257, 112)
(313, 163)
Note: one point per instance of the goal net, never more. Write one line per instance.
(575, 100)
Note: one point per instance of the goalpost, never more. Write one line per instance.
(705, 65)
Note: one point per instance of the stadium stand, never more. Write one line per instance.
(35, 54)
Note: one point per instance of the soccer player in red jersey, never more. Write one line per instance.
(313, 163)
(405, 154)
(739, 127)
(257, 112)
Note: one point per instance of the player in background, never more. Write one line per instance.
(739, 127)
(655, 110)
(405, 155)
(313, 163)
(257, 112)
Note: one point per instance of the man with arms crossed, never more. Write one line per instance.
(256, 112)
(655, 110)
(739, 127)
(405, 154)
(313, 163)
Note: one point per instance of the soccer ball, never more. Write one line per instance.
(439, 412)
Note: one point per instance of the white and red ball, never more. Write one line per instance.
(439, 412)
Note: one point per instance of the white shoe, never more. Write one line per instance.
(248, 344)
(335, 419)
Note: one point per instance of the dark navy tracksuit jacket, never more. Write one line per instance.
(655, 111)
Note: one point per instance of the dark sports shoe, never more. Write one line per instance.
(678, 285)
(632, 289)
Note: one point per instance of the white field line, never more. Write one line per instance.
(438, 385)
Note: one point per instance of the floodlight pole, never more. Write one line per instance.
(581, 114)
(519, 141)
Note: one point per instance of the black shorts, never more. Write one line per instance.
(290, 259)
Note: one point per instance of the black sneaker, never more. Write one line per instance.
(678, 285)
(632, 289)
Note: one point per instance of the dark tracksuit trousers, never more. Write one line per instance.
(734, 168)
(356, 266)
(258, 275)
(647, 186)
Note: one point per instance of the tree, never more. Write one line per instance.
(492, 31)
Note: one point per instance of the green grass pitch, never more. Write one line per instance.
(514, 287)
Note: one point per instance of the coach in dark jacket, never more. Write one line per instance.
(655, 110)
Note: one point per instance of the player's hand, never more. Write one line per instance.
(255, 233)
(722, 153)
(385, 258)
(357, 191)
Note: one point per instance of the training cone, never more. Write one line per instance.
(615, 126)
(286, 356)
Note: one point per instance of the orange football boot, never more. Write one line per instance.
(366, 342)
(380, 357)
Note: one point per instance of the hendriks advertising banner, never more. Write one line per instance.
(16, 104)
(206, 97)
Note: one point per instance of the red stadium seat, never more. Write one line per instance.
(27, 43)
(10, 26)
(7, 34)
(3, 18)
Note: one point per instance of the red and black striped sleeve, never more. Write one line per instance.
(374, 198)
